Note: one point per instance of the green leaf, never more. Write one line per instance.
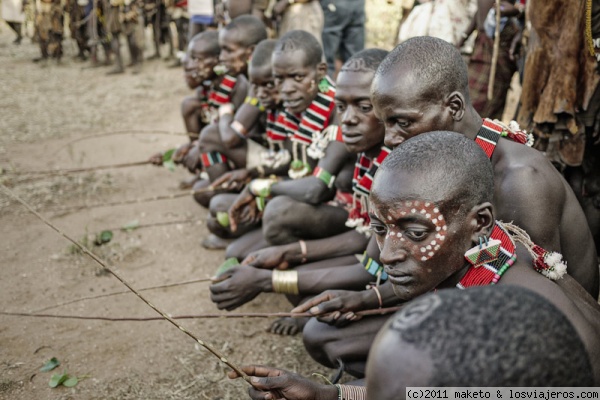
(227, 265)
(103, 237)
(223, 219)
(168, 155)
(50, 365)
(170, 165)
(58, 379)
(131, 225)
(72, 381)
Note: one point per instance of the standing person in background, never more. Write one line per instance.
(305, 15)
(114, 27)
(202, 16)
(77, 25)
(133, 28)
(12, 13)
(49, 29)
(344, 30)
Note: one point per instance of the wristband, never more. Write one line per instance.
(373, 267)
(285, 282)
(239, 129)
(347, 392)
(324, 176)
(226, 109)
(303, 250)
(378, 295)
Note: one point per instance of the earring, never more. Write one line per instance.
(323, 86)
(486, 251)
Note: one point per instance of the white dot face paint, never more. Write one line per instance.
(399, 231)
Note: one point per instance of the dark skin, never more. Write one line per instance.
(362, 132)
(411, 276)
(528, 189)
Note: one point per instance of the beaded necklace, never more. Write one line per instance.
(490, 273)
(222, 93)
(362, 180)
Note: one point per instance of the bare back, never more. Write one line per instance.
(530, 192)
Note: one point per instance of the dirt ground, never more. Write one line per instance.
(45, 110)
(50, 118)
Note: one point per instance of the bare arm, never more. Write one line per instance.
(313, 190)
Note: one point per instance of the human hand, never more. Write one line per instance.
(192, 160)
(156, 159)
(335, 307)
(239, 285)
(234, 180)
(273, 383)
(269, 258)
(243, 209)
(181, 152)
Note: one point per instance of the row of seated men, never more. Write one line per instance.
(301, 173)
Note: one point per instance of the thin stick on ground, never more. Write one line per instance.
(164, 315)
(133, 201)
(126, 132)
(377, 311)
(48, 172)
(99, 296)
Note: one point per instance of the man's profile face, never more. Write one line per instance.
(263, 85)
(405, 109)
(199, 62)
(420, 246)
(361, 129)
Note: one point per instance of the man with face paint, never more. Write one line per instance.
(432, 77)
(423, 196)
(289, 215)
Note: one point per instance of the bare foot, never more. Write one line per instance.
(288, 326)
(213, 242)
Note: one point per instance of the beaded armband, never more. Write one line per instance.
(327, 178)
(347, 392)
(253, 101)
(373, 267)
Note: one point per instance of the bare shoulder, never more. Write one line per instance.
(524, 173)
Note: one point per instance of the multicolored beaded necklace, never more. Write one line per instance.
(222, 93)
(491, 272)
(362, 180)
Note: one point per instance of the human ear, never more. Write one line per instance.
(321, 71)
(249, 51)
(481, 220)
(455, 102)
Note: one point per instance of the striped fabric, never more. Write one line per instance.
(222, 94)
(364, 171)
(211, 158)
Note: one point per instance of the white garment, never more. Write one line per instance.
(444, 19)
(12, 11)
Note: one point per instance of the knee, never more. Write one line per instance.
(278, 219)
(316, 342)
(189, 106)
(202, 198)
(209, 138)
(236, 250)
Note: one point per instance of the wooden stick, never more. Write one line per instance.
(126, 132)
(490, 92)
(99, 296)
(84, 169)
(163, 314)
(134, 201)
(377, 311)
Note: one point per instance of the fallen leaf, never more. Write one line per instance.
(50, 365)
(103, 237)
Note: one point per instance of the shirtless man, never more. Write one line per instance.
(528, 190)
(298, 206)
(308, 125)
(425, 345)
(431, 207)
